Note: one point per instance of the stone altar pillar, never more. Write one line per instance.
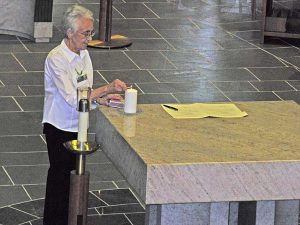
(43, 20)
(31, 19)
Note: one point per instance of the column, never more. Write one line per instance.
(43, 20)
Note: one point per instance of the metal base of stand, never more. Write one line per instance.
(117, 41)
(80, 148)
(78, 198)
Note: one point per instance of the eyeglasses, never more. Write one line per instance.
(89, 33)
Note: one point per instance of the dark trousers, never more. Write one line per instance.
(58, 179)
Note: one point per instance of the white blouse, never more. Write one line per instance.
(65, 71)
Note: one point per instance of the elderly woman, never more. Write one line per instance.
(67, 67)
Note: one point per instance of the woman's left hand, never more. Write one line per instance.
(105, 99)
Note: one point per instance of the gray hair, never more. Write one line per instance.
(73, 13)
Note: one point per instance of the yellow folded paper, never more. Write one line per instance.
(202, 110)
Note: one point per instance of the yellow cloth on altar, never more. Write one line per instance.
(203, 110)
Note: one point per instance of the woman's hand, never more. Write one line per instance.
(105, 99)
(116, 86)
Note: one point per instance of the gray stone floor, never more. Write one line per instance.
(183, 51)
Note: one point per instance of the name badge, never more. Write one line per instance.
(81, 76)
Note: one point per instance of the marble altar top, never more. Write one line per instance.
(270, 132)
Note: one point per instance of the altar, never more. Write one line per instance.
(198, 171)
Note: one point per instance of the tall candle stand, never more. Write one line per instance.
(106, 40)
(79, 179)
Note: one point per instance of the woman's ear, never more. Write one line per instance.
(69, 33)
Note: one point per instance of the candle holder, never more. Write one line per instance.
(106, 40)
(79, 179)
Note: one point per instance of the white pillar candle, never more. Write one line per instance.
(83, 126)
(130, 100)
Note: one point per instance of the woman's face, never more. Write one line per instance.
(81, 35)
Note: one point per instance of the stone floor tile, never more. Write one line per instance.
(184, 56)
(156, 98)
(94, 201)
(111, 60)
(234, 43)
(8, 63)
(35, 208)
(101, 185)
(234, 86)
(8, 104)
(122, 184)
(195, 44)
(107, 219)
(172, 23)
(22, 144)
(248, 35)
(12, 46)
(36, 222)
(151, 44)
(251, 96)
(6, 37)
(22, 78)
(285, 52)
(289, 95)
(295, 61)
(40, 47)
(117, 197)
(241, 26)
(132, 24)
(5, 180)
(272, 85)
(136, 218)
(129, 76)
(127, 208)
(25, 123)
(135, 10)
(31, 103)
(10, 216)
(33, 90)
(32, 61)
(10, 90)
(209, 96)
(10, 195)
(241, 58)
(35, 174)
(176, 87)
(281, 73)
(150, 60)
(28, 158)
(36, 191)
(295, 84)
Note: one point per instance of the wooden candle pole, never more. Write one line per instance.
(106, 39)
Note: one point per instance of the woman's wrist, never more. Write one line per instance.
(106, 90)
(99, 92)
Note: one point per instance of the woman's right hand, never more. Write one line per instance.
(116, 86)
